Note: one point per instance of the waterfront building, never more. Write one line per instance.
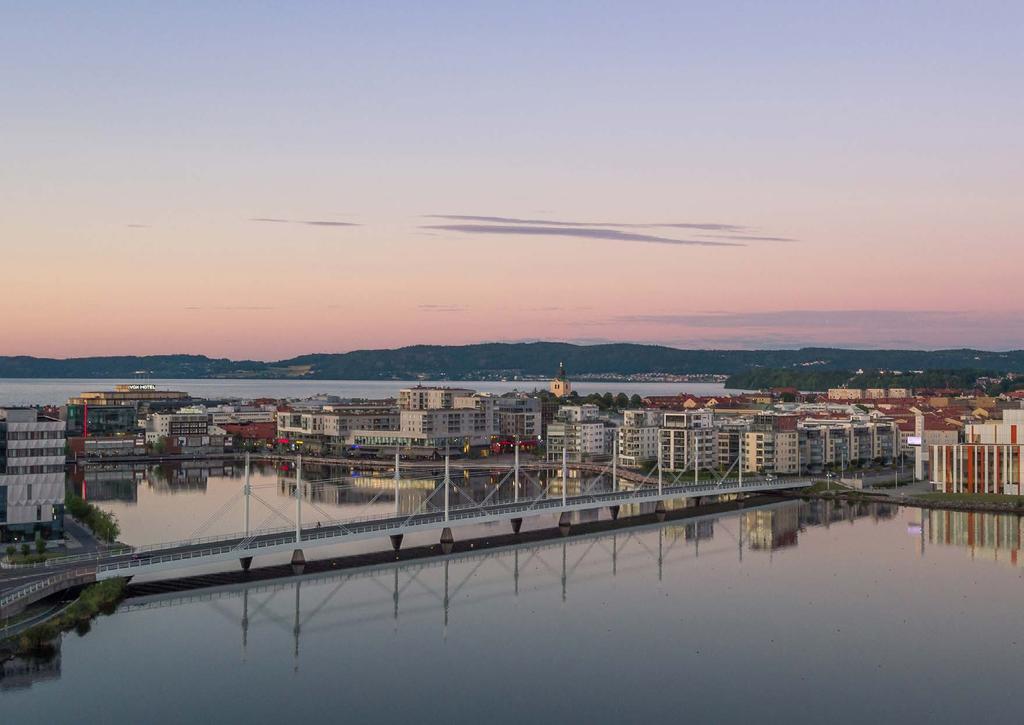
(431, 398)
(638, 437)
(976, 468)
(518, 415)
(688, 440)
(329, 430)
(31, 475)
(772, 445)
(579, 430)
(84, 419)
(134, 394)
(186, 432)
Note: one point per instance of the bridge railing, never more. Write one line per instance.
(40, 584)
(385, 522)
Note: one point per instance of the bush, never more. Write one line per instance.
(102, 597)
(40, 544)
(11, 551)
(25, 549)
(103, 524)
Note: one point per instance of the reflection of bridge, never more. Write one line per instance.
(444, 584)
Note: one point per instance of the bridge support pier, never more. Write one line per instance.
(447, 541)
(660, 511)
(246, 562)
(396, 541)
(614, 511)
(298, 561)
(517, 524)
(564, 523)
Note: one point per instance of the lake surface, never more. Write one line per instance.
(30, 391)
(795, 613)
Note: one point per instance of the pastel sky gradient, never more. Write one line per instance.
(700, 174)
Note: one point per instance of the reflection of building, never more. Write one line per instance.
(20, 673)
(987, 535)
(31, 474)
(108, 482)
(772, 528)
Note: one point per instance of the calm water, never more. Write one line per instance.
(794, 613)
(16, 391)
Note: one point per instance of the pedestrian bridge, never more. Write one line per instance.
(629, 488)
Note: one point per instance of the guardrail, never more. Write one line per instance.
(40, 584)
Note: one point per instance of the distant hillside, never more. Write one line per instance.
(508, 359)
(820, 380)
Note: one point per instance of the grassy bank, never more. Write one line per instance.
(101, 598)
(973, 498)
(103, 525)
(20, 559)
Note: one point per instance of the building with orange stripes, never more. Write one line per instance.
(977, 468)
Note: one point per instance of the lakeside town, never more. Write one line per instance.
(954, 442)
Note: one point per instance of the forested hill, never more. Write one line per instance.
(507, 359)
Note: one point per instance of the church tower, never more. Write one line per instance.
(560, 385)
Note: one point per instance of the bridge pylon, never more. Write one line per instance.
(246, 562)
(447, 540)
(517, 524)
(298, 561)
(614, 511)
(564, 523)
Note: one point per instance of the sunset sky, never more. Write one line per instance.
(261, 180)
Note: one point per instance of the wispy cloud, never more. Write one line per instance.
(442, 308)
(613, 235)
(749, 238)
(562, 223)
(308, 222)
(901, 329)
(137, 226)
(245, 308)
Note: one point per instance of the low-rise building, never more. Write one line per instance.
(32, 461)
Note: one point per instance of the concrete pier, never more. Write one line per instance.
(660, 511)
(564, 523)
(517, 524)
(447, 541)
(298, 561)
(614, 511)
(396, 541)
(246, 562)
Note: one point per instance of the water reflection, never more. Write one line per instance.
(995, 537)
(20, 673)
(473, 578)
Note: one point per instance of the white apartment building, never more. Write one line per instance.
(31, 475)
(329, 430)
(581, 433)
(638, 437)
(688, 440)
(430, 398)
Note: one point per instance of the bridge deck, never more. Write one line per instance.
(176, 555)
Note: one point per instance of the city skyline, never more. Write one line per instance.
(327, 178)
